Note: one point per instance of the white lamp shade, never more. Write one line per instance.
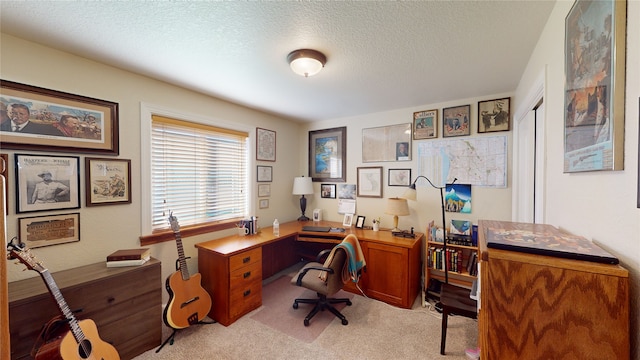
(397, 206)
(410, 193)
(302, 186)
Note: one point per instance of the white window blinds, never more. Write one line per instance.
(199, 172)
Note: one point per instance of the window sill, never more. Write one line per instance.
(186, 231)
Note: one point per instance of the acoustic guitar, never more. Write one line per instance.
(82, 341)
(189, 302)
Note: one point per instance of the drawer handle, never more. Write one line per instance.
(246, 260)
(247, 274)
(246, 293)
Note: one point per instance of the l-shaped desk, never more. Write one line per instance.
(233, 267)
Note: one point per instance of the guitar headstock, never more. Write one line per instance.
(174, 222)
(21, 252)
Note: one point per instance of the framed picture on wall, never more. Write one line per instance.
(425, 124)
(107, 181)
(265, 145)
(328, 191)
(328, 154)
(399, 177)
(494, 115)
(56, 121)
(370, 181)
(456, 121)
(387, 143)
(45, 182)
(49, 230)
(594, 50)
(265, 173)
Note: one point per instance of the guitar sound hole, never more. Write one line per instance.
(84, 349)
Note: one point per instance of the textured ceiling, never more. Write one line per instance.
(382, 55)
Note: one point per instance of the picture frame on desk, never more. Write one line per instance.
(360, 222)
(348, 219)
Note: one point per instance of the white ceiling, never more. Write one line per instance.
(382, 55)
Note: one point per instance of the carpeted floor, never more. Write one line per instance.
(376, 331)
(281, 316)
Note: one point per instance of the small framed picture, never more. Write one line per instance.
(49, 230)
(456, 121)
(265, 145)
(348, 219)
(360, 222)
(399, 177)
(264, 203)
(264, 190)
(107, 181)
(494, 115)
(45, 182)
(328, 191)
(425, 124)
(370, 181)
(265, 173)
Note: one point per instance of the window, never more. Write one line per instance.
(199, 172)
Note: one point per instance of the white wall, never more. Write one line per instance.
(598, 205)
(105, 229)
(487, 203)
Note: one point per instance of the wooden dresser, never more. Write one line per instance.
(124, 302)
(537, 306)
(233, 267)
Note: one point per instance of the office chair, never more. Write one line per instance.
(455, 300)
(309, 277)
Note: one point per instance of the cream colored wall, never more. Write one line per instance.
(107, 228)
(598, 205)
(487, 203)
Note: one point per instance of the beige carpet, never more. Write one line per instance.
(281, 316)
(375, 331)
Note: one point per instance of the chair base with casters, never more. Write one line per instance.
(455, 301)
(322, 303)
(309, 277)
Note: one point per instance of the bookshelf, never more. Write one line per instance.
(461, 257)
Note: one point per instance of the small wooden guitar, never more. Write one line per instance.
(189, 302)
(82, 341)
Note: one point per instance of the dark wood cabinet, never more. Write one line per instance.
(125, 303)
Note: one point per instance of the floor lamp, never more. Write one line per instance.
(411, 194)
(302, 186)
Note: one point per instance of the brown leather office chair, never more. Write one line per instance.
(455, 300)
(309, 277)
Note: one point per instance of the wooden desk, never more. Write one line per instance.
(535, 306)
(233, 267)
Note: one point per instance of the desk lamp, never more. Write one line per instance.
(302, 186)
(397, 207)
(411, 194)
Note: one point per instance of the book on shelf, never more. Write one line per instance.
(122, 263)
(129, 254)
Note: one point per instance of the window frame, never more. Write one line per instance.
(150, 236)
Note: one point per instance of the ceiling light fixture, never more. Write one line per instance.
(306, 62)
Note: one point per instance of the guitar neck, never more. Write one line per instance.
(184, 271)
(62, 306)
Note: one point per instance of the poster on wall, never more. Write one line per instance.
(594, 86)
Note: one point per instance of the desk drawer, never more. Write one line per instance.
(246, 275)
(245, 299)
(246, 258)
